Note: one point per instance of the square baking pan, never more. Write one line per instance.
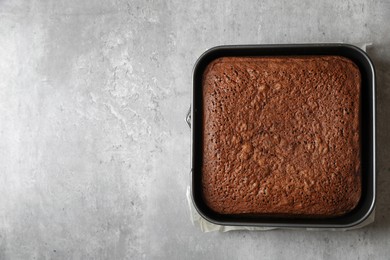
(367, 132)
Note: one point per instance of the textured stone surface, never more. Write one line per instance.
(94, 152)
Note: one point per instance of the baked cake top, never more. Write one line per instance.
(281, 135)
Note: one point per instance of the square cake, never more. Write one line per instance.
(281, 136)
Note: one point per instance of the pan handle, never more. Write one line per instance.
(188, 117)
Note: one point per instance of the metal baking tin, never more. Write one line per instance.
(194, 119)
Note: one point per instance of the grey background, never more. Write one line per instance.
(94, 151)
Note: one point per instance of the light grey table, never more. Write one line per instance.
(94, 152)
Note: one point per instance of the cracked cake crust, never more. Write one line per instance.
(281, 135)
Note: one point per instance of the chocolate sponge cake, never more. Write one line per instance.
(281, 135)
